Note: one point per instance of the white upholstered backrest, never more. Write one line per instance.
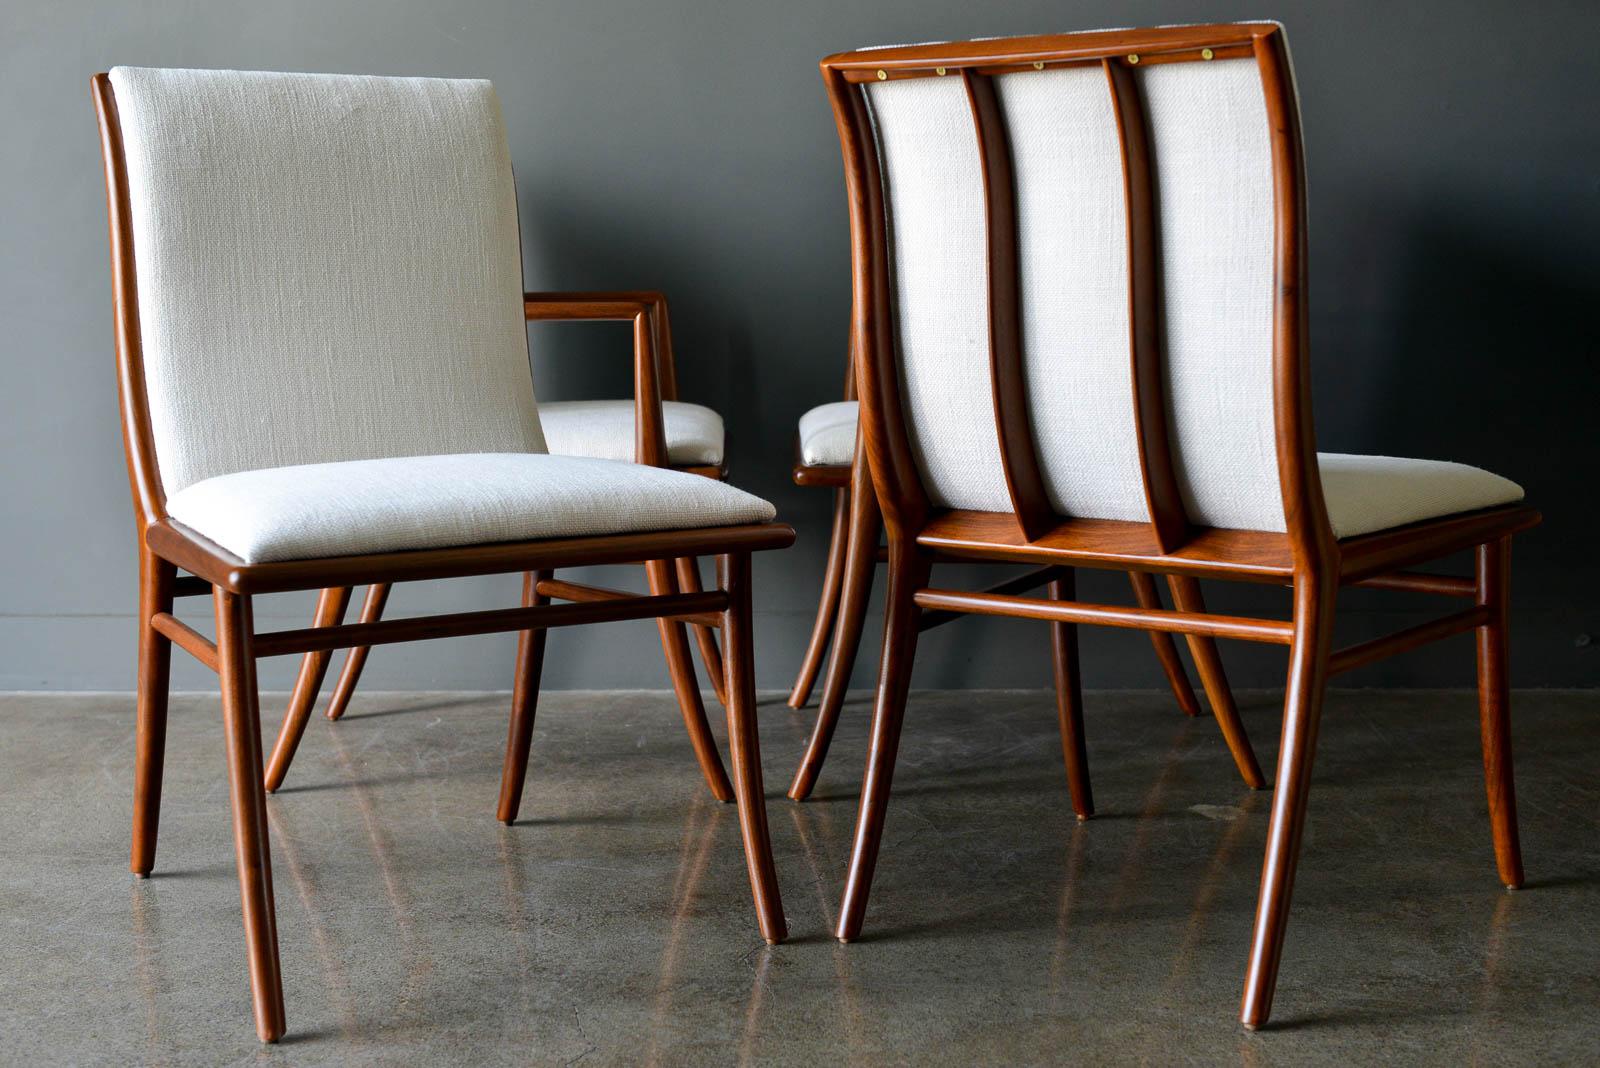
(328, 267)
(1211, 159)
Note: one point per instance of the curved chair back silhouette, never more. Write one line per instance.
(1080, 285)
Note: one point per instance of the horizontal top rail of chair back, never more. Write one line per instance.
(1079, 278)
(312, 268)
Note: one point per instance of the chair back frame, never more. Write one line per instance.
(905, 501)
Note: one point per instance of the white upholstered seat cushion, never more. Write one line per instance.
(1366, 494)
(603, 429)
(828, 434)
(432, 502)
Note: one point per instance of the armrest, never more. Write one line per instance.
(653, 372)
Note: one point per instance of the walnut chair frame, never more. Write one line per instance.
(853, 556)
(647, 311)
(1306, 557)
(167, 547)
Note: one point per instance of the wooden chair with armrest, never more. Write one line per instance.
(287, 250)
(1032, 217)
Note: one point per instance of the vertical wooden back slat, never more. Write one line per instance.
(1018, 458)
(1161, 492)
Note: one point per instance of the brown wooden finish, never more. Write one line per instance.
(1007, 383)
(189, 586)
(1144, 592)
(165, 547)
(1304, 556)
(1186, 597)
(331, 605)
(356, 659)
(1069, 698)
(744, 747)
(561, 590)
(524, 701)
(828, 606)
(156, 580)
(674, 640)
(820, 475)
(704, 629)
(1031, 580)
(1161, 494)
(860, 563)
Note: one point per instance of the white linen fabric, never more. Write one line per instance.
(603, 429)
(1212, 168)
(828, 434)
(1371, 493)
(427, 502)
(329, 269)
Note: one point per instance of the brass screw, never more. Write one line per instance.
(883, 76)
(1206, 53)
(1133, 58)
(939, 71)
(1038, 64)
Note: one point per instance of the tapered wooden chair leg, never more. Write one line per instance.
(1494, 708)
(907, 573)
(861, 561)
(1069, 700)
(745, 747)
(242, 723)
(150, 727)
(705, 637)
(828, 604)
(1144, 589)
(331, 605)
(356, 659)
(675, 644)
(524, 701)
(1302, 712)
(1208, 661)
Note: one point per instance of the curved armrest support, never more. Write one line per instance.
(653, 373)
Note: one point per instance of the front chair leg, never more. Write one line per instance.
(156, 578)
(331, 605)
(675, 644)
(524, 700)
(242, 722)
(356, 659)
(1494, 708)
(1302, 711)
(908, 571)
(1208, 661)
(1069, 700)
(705, 637)
(745, 747)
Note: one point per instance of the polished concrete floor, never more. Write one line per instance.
(613, 925)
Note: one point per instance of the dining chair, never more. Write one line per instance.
(599, 429)
(1080, 277)
(324, 381)
(827, 448)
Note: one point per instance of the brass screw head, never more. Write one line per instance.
(1206, 53)
(883, 76)
(1133, 57)
(939, 71)
(1038, 64)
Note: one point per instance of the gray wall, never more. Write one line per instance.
(1455, 168)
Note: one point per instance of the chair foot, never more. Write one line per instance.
(1494, 709)
(1069, 701)
(524, 704)
(356, 659)
(331, 605)
(156, 578)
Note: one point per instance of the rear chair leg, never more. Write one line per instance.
(1494, 708)
(1302, 711)
(745, 746)
(242, 723)
(705, 637)
(908, 572)
(156, 578)
(524, 700)
(356, 659)
(1069, 700)
(675, 644)
(1208, 661)
(827, 605)
(331, 605)
(1144, 589)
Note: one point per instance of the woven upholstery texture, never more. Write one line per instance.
(828, 434)
(426, 502)
(603, 429)
(1371, 493)
(329, 269)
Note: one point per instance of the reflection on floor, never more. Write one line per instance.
(613, 924)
